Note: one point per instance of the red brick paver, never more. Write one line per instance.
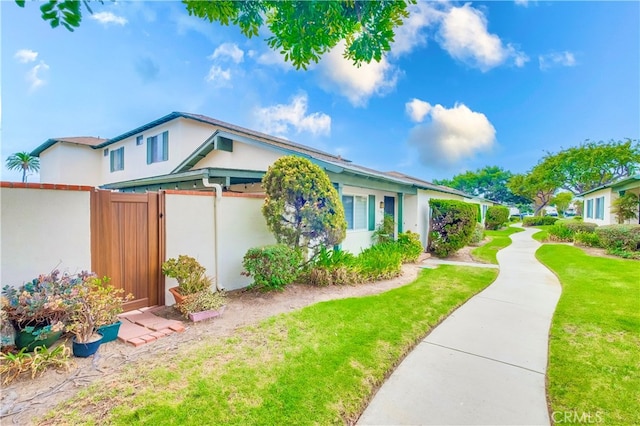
(142, 326)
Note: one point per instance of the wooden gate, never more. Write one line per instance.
(127, 244)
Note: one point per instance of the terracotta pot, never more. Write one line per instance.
(176, 295)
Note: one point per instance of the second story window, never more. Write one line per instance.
(139, 140)
(158, 148)
(117, 159)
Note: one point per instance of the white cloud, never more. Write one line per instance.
(271, 57)
(282, 118)
(25, 56)
(464, 35)
(35, 77)
(230, 51)
(524, 3)
(219, 77)
(411, 34)
(107, 18)
(417, 109)
(357, 84)
(555, 59)
(451, 135)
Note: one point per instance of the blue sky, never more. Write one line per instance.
(465, 85)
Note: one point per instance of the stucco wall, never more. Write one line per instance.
(73, 164)
(244, 156)
(41, 230)
(189, 230)
(609, 219)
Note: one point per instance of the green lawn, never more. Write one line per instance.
(318, 365)
(594, 354)
(541, 235)
(499, 240)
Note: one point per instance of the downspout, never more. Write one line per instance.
(217, 189)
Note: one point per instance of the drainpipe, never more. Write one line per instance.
(217, 188)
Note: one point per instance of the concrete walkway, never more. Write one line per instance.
(486, 363)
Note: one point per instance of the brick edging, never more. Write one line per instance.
(54, 186)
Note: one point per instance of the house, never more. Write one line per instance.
(183, 156)
(598, 201)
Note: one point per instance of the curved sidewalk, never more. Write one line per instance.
(486, 363)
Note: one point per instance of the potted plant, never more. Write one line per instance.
(108, 302)
(190, 275)
(37, 309)
(85, 308)
(203, 305)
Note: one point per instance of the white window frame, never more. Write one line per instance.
(158, 148)
(589, 209)
(599, 213)
(364, 205)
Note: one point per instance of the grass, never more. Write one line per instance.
(541, 235)
(318, 365)
(499, 240)
(594, 363)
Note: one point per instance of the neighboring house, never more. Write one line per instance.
(598, 201)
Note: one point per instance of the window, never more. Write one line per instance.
(600, 208)
(158, 148)
(105, 152)
(355, 211)
(590, 208)
(139, 140)
(117, 159)
(484, 213)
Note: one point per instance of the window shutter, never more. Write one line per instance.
(372, 212)
(149, 151)
(165, 145)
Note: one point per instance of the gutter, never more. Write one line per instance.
(217, 188)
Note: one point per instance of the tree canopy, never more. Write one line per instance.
(23, 161)
(562, 200)
(489, 182)
(538, 185)
(302, 31)
(302, 208)
(593, 164)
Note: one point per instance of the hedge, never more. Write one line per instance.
(496, 217)
(272, 267)
(539, 220)
(452, 225)
(619, 237)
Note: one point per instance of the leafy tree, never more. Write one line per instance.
(538, 186)
(562, 201)
(593, 164)
(489, 182)
(301, 30)
(302, 207)
(625, 207)
(23, 161)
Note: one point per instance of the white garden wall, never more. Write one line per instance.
(43, 229)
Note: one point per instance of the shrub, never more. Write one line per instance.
(385, 231)
(189, 273)
(410, 246)
(625, 253)
(452, 224)
(478, 235)
(625, 207)
(619, 237)
(272, 267)
(496, 217)
(333, 267)
(379, 262)
(586, 239)
(560, 232)
(578, 226)
(577, 218)
(539, 220)
(205, 300)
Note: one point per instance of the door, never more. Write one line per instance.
(390, 209)
(126, 233)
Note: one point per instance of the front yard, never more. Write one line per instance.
(317, 365)
(594, 362)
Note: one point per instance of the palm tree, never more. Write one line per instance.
(23, 161)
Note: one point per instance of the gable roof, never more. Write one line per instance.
(90, 141)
